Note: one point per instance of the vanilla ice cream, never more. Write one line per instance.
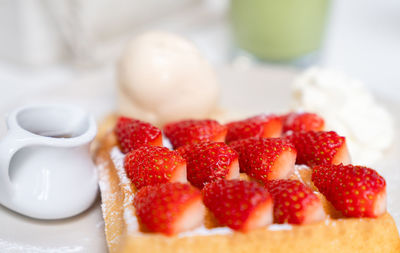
(348, 108)
(163, 78)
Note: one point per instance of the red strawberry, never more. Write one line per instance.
(265, 158)
(240, 205)
(182, 150)
(150, 165)
(257, 126)
(169, 208)
(356, 191)
(132, 134)
(294, 202)
(303, 122)
(314, 148)
(209, 161)
(194, 131)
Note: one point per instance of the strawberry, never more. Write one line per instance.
(294, 202)
(150, 165)
(210, 161)
(265, 158)
(305, 121)
(257, 126)
(240, 205)
(194, 131)
(169, 208)
(182, 150)
(133, 133)
(316, 148)
(356, 191)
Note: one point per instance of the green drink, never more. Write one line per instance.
(279, 30)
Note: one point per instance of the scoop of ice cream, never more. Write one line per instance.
(348, 108)
(163, 78)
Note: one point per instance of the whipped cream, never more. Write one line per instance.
(163, 77)
(349, 109)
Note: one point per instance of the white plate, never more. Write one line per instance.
(244, 90)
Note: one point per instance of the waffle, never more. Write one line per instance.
(334, 234)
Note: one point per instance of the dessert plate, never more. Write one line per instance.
(244, 90)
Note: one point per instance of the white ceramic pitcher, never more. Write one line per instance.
(46, 170)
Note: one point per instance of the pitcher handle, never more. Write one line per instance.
(9, 145)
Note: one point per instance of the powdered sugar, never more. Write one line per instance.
(201, 231)
(104, 184)
(129, 212)
(106, 194)
(277, 227)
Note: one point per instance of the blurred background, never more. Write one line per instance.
(48, 43)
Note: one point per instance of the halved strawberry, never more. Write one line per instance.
(210, 161)
(304, 121)
(265, 158)
(257, 126)
(169, 208)
(356, 191)
(240, 205)
(314, 148)
(150, 165)
(194, 131)
(294, 202)
(133, 133)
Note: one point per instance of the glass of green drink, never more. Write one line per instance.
(279, 30)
